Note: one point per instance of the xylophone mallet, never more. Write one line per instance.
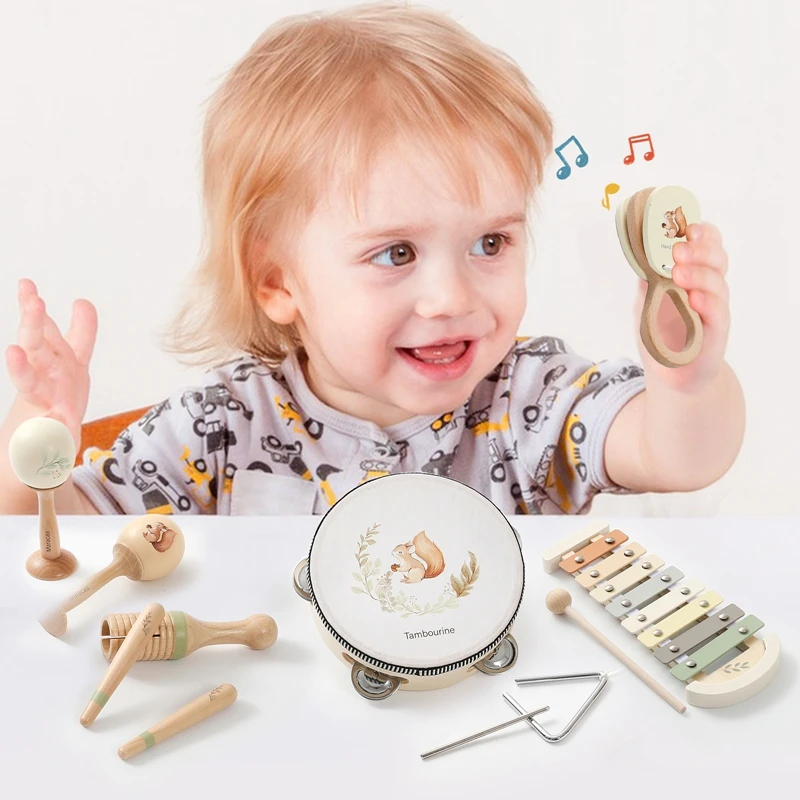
(559, 601)
(146, 625)
(196, 711)
(148, 548)
(180, 634)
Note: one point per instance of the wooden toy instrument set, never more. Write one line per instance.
(710, 646)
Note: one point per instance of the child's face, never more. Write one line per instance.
(405, 311)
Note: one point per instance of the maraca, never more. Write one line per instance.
(148, 548)
(42, 453)
(180, 634)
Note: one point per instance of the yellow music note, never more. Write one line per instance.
(612, 188)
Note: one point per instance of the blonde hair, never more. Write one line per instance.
(317, 96)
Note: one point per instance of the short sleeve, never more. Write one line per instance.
(158, 464)
(562, 407)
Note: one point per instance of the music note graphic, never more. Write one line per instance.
(612, 188)
(632, 140)
(581, 161)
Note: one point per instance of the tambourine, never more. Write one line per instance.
(414, 581)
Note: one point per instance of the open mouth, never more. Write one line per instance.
(438, 353)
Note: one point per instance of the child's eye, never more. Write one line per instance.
(400, 255)
(493, 243)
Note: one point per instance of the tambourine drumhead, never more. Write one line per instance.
(409, 619)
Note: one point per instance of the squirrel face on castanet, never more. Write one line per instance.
(414, 569)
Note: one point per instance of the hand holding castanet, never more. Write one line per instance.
(148, 548)
(41, 452)
(180, 634)
(146, 625)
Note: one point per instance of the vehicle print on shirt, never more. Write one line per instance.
(125, 439)
(291, 414)
(499, 457)
(535, 414)
(198, 475)
(158, 494)
(217, 435)
(546, 477)
(479, 423)
(587, 378)
(441, 425)
(108, 464)
(623, 375)
(241, 372)
(288, 453)
(374, 468)
(218, 395)
(324, 471)
(390, 449)
(528, 501)
(440, 463)
(146, 422)
(572, 437)
(228, 471)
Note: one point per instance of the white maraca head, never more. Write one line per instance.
(42, 453)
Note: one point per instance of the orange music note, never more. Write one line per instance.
(612, 188)
(632, 140)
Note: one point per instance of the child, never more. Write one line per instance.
(368, 178)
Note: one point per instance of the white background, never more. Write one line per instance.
(101, 107)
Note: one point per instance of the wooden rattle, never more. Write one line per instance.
(179, 635)
(712, 648)
(559, 601)
(199, 709)
(148, 548)
(146, 625)
(42, 453)
(648, 225)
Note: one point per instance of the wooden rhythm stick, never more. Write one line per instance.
(648, 224)
(180, 634)
(146, 625)
(559, 601)
(42, 454)
(199, 709)
(716, 655)
(147, 549)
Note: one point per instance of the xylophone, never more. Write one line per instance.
(685, 625)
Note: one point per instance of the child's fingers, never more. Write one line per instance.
(30, 333)
(701, 253)
(82, 331)
(705, 279)
(703, 231)
(19, 370)
(713, 311)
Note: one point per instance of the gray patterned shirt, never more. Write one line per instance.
(252, 440)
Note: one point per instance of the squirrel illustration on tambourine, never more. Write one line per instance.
(415, 570)
(675, 225)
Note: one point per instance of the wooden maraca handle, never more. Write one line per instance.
(49, 538)
(258, 632)
(657, 287)
(146, 625)
(55, 620)
(199, 709)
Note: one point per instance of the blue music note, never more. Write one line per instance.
(581, 161)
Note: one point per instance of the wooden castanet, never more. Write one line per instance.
(198, 710)
(42, 454)
(180, 634)
(709, 646)
(647, 229)
(148, 548)
(146, 625)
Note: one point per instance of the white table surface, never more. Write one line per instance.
(299, 730)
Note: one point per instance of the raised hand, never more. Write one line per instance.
(49, 371)
(701, 265)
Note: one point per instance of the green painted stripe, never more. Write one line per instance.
(147, 738)
(179, 621)
(100, 698)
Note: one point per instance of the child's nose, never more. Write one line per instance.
(446, 292)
